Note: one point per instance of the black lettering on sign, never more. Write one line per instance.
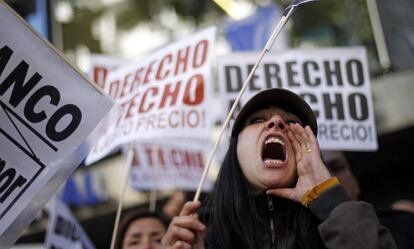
(272, 77)
(333, 73)
(358, 106)
(67, 110)
(333, 102)
(254, 77)
(322, 132)
(66, 229)
(9, 182)
(292, 73)
(62, 122)
(42, 92)
(16, 79)
(345, 132)
(354, 71)
(234, 77)
(55, 247)
(309, 70)
(5, 54)
(312, 100)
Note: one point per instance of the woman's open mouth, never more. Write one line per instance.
(274, 151)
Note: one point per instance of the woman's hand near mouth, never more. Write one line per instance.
(309, 166)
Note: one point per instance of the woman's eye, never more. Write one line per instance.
(257, 120)
(292, 122)
(134, 243)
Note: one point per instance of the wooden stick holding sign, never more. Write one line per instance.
(153, 193)
(129, 160)
(285, 17)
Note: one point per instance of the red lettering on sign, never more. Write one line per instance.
(99, 76)
(200, 53)
(144, 106)
(127, 83)
(149, 72)
(113, 88)
(160, 73)
(170, 94)
(194, 90)
(182, 60)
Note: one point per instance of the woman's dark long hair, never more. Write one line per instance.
(234, 216)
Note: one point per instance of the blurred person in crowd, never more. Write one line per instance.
(398, 221)
(141, 230)
(338, 166)
(274, 191)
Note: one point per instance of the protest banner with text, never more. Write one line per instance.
(333, 81)
(47, 110)
(166, 95)
(64, 231)
(160, 163)
(169, 164)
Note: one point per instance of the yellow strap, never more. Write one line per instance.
(312, 194)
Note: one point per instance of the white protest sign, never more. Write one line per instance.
(165, 95)
(47, 110)
(169, 164)
(334, 81)
(64, 231)
(99, 67)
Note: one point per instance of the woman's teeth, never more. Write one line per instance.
(274, 140)
(272, 161)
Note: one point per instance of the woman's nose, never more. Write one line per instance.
(276, 122)
(146, 243)
(147, 246)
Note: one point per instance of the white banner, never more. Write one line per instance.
(47, 110)
(334, 81)
(170, 165)
(100, 66)
(64, 231)
(165, 95)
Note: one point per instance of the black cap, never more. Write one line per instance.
(285, 99)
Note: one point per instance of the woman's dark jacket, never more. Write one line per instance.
(340, 222)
